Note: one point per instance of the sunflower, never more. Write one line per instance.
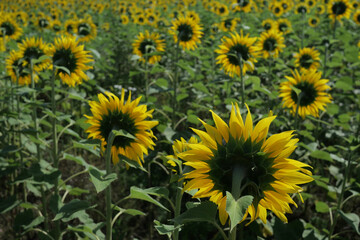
(313, 95)
(338, 9)
(112, 113)
(277, 9)
(21, 18)
(15, 67)
(193, 15)
(310, 3)
(140, 19)
(241, 5)
(186, 31)
(178, 147)
(124, 19)
(148, 43)
(355, 4)
(9, 27)
(86, 30)
(269, 174)
(268, 24)
(43, 22)
(271, 43)
(320, 9)
(232, 48)
(222, 10)
(33, 48)
(283, 25)
(68, 53)
(70, 27)
(313, 21)
(56, 26)
(152, 19)
(357, 17)
(228, 25)
(307, 59)
(301, 8)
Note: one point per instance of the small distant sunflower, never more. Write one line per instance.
(56, 26)
(231, 48)
(277, 9)
(301, 8)
(15, 66)
(111, 113)
(268, 24)
(283, 25)
(152, 19)
(187, 32)
(338, 9)
(34, 48)
(194, 15)
(222, 10)
(70, 27)
(148, 43)
(320, 9)
(12, 30)
(43, 22)
(241, 5)
(140, 19)
(124, 19)
(357, 17)
(313, 21)
(68, 53)
(355, 4)
(286, 5)
(313, 95)
(86, 30)
(310, 3)
(307, 59)
(228, 25)
(271, 43)
(270, 176)
(22, 18)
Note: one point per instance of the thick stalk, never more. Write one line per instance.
(44, 205)
(242, 81)
(110, 141)
(179, 194)
(55, 148)
(237, 175)
(335, 25)
(339, 203)
(175, 80)
(38, 155)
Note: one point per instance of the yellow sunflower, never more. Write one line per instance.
(320, 9)
(146, 44)
(10, 28)
(228, 25)
(34, 48)
(140, 19)
(232, 48)
(15, 67)
(222, 10)
(86, 30)
(68, 53)
(307, 59)
(111, 113)
(124, 19)
(301, 8)
(70, 27)
(56, 26)
(178, 147)
(271, 43)
(187, 32)
(337, 9)
(357, 17)
(277, 9)
(313, 95)
(193, 15)
(241, 5)
(43, 22)
(313, 21)
(269, 174)
(268, 24)
(283, 25)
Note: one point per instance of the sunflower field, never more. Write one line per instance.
(191, 119)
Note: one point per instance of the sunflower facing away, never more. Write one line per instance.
(187, 32)
(313, 95)
(111, 113)
(230, 50)
(338, 9)
(32, 48)
(68, 53)
(271, 43)
(10, 28)
(307, 59)
(270, 175)
(14, 66)
(146, 44)
(86, 30)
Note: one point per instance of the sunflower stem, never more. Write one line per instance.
(146, 79)
(242, 81)
(302, 30)
(109, 142)
(175, 80)
(325, 58)
(297, 112)
(179, 194)
(335, 25)
(38, 156)
(4, 38)
(339, 203)
(55, 148)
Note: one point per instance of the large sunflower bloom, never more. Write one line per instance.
(68, 53)
(112, 113)
(230, 50)
(313, 95)
(307, 59)
(187, 32)
(338, 9)
(270, 175)
(148, 43)
(32, 48)
(271, 43)
(15, 68)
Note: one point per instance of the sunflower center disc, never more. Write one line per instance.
(305, 61)
(283, 27)
(43, 23)
(146, 46)
(308, 93)
(301, 9)
(267, 26)
(228, 24)
(270, 44)
(9, 29)
(185, 32)
(277, 10)
(313, 21)
(84, 29)
(338, 8)
(65, 58)
(237, 50)
(120, 121)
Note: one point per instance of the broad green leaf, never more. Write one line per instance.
(321, 207)
(89, 147)
(71, 208)
(237, 208)
(352, 219)
(34, 222)
(319, 154)
(123, 133)
(138, 193)
(8, 203)
(132, 212)
(204, 212)
(165, 229)
(100, 179)
(78, 159)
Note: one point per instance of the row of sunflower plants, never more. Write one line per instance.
(106, 131)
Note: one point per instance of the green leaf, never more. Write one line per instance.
(165, 229)
(132, 212)
(321, 207)
(138, 193)
(204, 212)
(352, 219)
(89, 147)
(63, 69)
(34, 222)
(78, 159)
(100, 179)
(237, 208)
(123, 133)
(319, 154)
(40, 59)
(71, 208)
(8, 204)
(162, 82)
